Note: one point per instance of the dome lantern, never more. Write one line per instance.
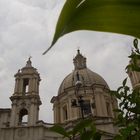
(84, 93)
(81, 75)
(79, 61)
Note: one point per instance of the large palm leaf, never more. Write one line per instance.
(118, 16)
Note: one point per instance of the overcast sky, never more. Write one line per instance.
(27, 28)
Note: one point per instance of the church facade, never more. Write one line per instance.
(25, 103)
(81, 94)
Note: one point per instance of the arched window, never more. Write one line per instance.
(23, 117)
(25, 85)
(65, 113)
(87, 107)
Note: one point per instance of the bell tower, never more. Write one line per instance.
(25, 99)
(134, 77)
(134, 62)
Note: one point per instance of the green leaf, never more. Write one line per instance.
(82, 125)
(90, 135)
(124, 82)
(117, 110)
(97, 136)
(69, 11)
(118, 137)
(117, 16)
(59, 129)
(122, 103)
(120, 88)
(127, 131)
(87, 135)
(135, 110)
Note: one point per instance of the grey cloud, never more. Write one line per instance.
(27, 27)
(44, 4)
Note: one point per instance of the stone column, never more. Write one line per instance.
(16, 84)
(33, 84)
(30, 85)
(33, 113)
(61, 115)
(69, 110)
(111, 109)
(103, 105)
(98, 104)
(36, 86)
(136, 77)
(20, 85)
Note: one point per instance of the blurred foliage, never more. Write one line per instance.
(128, 119)
(83, 130)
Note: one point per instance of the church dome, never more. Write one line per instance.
(87, 77)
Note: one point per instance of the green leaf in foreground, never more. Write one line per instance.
(80, 126)
(117, 16)
(60, 130)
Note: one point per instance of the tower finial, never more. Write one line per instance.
(29, 62)
(30, 57)
(79, 61)
(78, 50)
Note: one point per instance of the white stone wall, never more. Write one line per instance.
(4, 117)
(28, 133)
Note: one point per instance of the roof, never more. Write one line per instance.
(87, 77)
(81, 74)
